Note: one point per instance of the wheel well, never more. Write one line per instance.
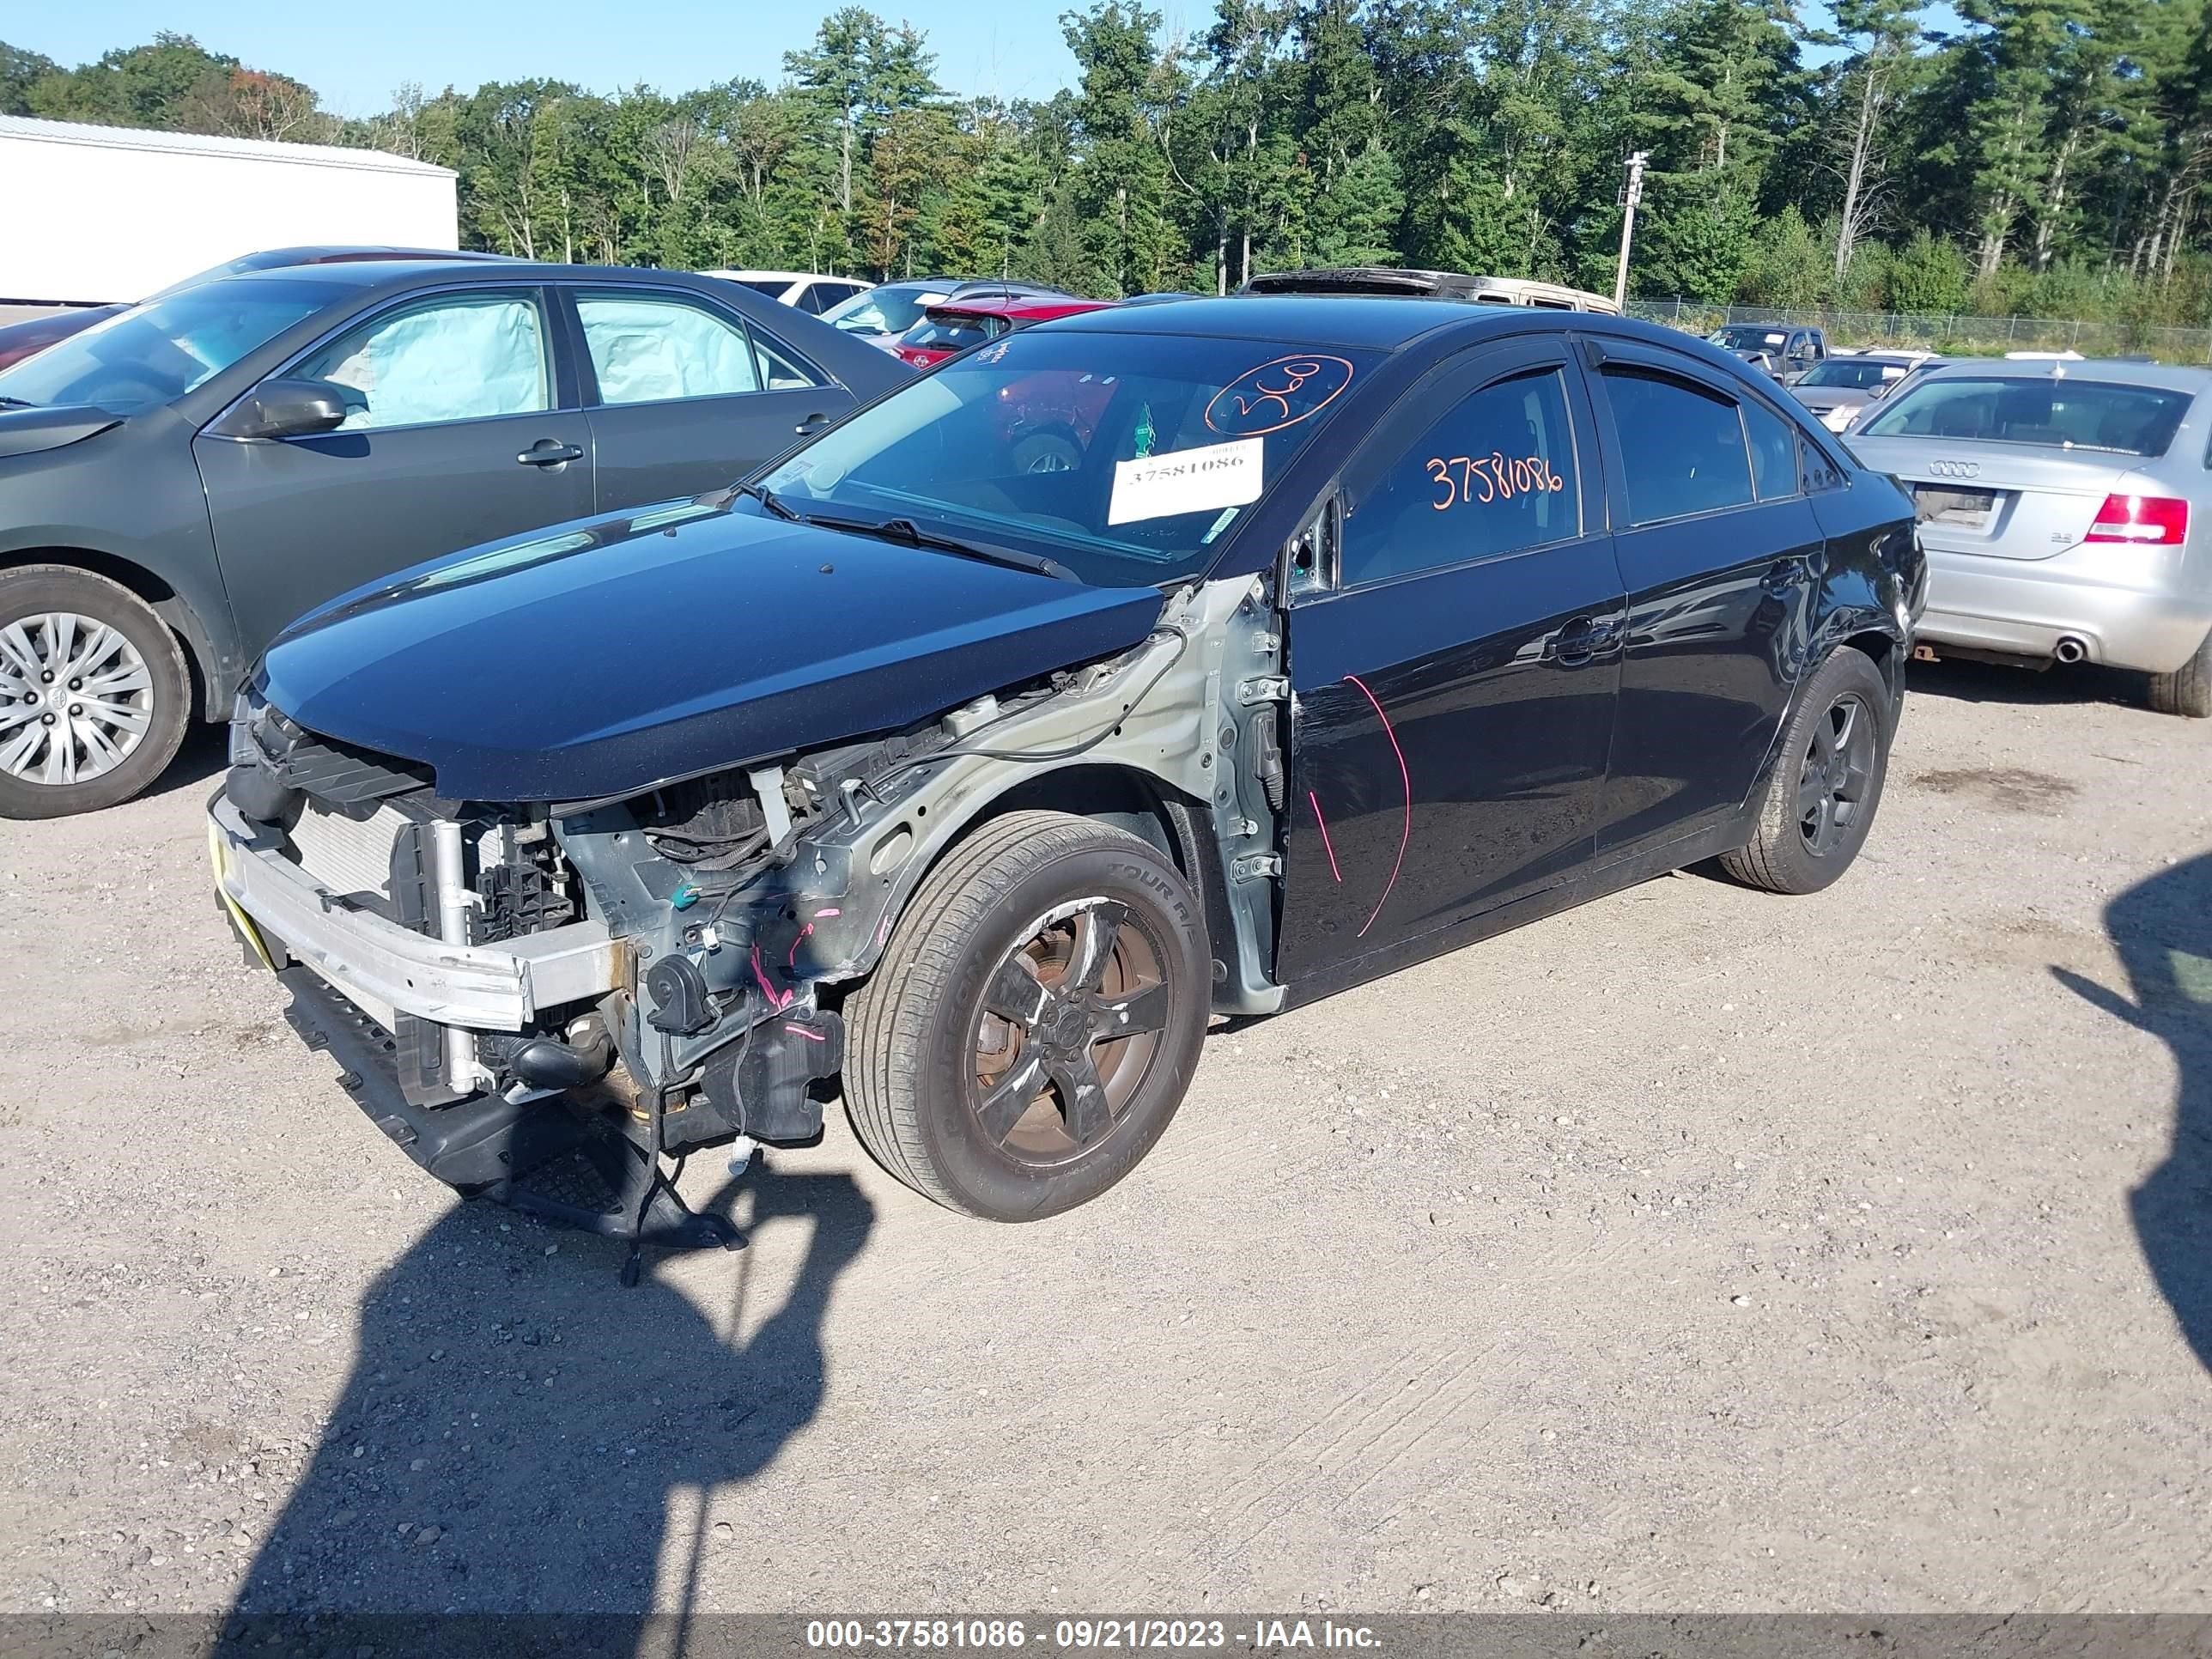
(1876, 645)
(1176, 825)
(1126, 799)
(199, 665)
(1882, 650)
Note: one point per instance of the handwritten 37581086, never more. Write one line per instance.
(1493, 477)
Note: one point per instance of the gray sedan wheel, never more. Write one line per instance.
(93, 695)
(2188, 689)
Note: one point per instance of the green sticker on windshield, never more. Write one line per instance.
(1145, 434)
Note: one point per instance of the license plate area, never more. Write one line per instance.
(1963, 509)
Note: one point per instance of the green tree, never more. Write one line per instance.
(1929, 274)
(2012, 63)
(1120, 185)
(1879, 37)
(19, 71)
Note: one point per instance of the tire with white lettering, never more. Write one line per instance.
(94, 693)
(1826, 784)
(1035, 1020)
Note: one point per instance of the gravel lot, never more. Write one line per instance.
(1694, 1250)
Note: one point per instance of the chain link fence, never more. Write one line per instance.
(1951, 335)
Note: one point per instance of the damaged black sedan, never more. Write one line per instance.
(1164, 662)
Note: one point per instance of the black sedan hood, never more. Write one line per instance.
(28, 431)
(598, 660)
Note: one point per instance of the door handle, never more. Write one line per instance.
(810, 425)
(550, 452)
(1584, 639)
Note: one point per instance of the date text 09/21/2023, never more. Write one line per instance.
(1264, 1635)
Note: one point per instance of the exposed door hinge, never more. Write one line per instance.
(1255, 867)
(1267, 688)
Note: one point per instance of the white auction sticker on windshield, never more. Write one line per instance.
(1200, 480)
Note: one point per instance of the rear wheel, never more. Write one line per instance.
(1035, 1020)
(1821, 801)
(93, 695)
(2188, 689)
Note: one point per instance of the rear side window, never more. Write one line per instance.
(1495, 475)
(654, 349)
(1682, 448)
(780, 370)
(1773, 453)
(2059, 412)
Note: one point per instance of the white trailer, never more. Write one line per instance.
(94, 215)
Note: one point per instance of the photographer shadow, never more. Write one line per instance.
(2162, 929)
(517, 1425)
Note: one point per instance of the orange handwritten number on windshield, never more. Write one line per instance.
(1494, 476)
(1298, 374)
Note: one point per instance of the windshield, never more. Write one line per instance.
(890, 310)
(1127, 457)
(2053, 414)
(953, 331)
(1742, 339)
(773, 287)
(1854, 374)
(155, 353)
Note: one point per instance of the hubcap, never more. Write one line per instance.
(1070, 1021)
(76, 698)
(1837, 773)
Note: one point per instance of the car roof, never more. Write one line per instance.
(398, 273)
(2110, 370)
(1034, 307)
(735, 275)
(1319, 320)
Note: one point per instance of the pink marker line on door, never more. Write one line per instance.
(1327, 846)
(1406, 778)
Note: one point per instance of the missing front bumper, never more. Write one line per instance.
(386, 970)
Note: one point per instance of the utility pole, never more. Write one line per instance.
(1630, 196)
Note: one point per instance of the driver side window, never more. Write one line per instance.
(457, 357)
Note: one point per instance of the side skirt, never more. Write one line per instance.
(1594, 884)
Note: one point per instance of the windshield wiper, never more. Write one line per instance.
(907, 533)
(769, 499)
(16, 403)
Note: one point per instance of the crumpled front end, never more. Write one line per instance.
(445, 954)
(502, 983)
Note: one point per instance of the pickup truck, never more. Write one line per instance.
(1785, 351)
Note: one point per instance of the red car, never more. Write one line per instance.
(946, 330)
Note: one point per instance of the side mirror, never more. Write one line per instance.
(286, 409)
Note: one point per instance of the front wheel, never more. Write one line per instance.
(1821, 801)
(94, 693)
(1035, 1020)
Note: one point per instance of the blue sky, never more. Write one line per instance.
(355, 55)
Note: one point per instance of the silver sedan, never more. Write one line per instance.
(2066, 509)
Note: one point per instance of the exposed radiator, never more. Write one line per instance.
(348, 855)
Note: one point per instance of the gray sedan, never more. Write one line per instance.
(2066, 508)
(1837, 390)
(179, 481)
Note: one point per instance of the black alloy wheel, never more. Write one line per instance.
(1820, 801)
(1034, 1019)
(1836, 775)
(1067, 1026)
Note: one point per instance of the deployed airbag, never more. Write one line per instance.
(454, 360)
(650, 351)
